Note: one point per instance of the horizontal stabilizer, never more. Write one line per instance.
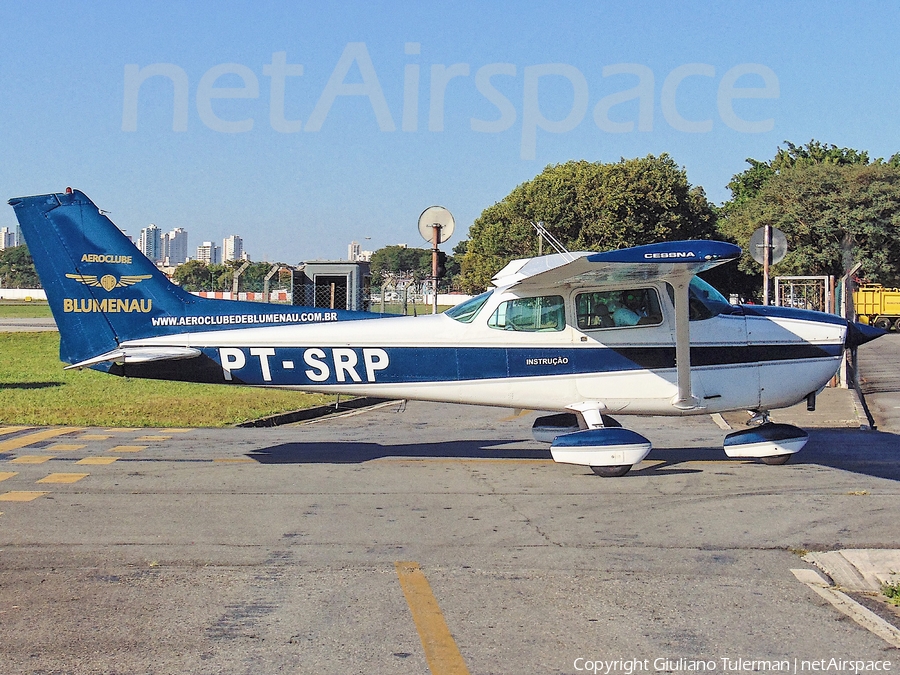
(139, 355)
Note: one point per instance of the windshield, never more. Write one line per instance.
(705, 301)
(466, 311)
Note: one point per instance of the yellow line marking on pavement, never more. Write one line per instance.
(62, 447)
(178, 431)
(519, 412)
(31, 459)
(441, 652)
(7, 474)
(128, 448)
(21, 496)
(721, 422)
(63, 478)
(236, 460)
(11, 430)
(153, 438)
(28, 439)
(94, 437)
(97, 460)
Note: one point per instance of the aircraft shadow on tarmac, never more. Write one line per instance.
(340, 452)
(870, 453)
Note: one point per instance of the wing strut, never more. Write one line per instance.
(685, 400)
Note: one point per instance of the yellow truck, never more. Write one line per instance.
(878, 306)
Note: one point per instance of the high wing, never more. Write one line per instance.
(668, 261)
(675, 262)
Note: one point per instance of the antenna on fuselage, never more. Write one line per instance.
(553, 241)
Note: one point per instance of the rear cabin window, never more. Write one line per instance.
(540, 314)
(618, 309)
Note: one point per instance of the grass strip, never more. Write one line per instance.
(14, 309)
(36, 391)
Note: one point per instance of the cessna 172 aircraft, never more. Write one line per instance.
(587, 335)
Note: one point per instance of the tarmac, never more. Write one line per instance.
(842, 574)
(846, 577)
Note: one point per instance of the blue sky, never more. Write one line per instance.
(402, 105)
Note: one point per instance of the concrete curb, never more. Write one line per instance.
(866, 423)
(848, 606)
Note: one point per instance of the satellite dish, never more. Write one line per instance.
(436, 216)
(777, 243)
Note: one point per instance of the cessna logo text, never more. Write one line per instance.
(111, 305)
(105, 258)
(673, 254)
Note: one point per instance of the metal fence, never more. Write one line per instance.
(815, 293)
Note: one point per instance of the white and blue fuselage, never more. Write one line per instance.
(745, 357)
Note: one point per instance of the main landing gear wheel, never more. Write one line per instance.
(611, 471)
(776, 460)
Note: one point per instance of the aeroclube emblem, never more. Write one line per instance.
(108, 281)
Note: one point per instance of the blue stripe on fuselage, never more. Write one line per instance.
(298, 366)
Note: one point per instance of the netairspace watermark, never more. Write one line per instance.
(727, 665)
(489, 79)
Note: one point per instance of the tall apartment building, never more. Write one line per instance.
(175, 247)
(208, 252)
(232, 248)
(7, 238)
(150, 243)
(356, 254)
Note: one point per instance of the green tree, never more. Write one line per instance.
(396, 259)
(824, 209)
(17, 268)
(588, 206)
(747, 184)
(194, 275)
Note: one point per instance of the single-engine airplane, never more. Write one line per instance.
(587, 335)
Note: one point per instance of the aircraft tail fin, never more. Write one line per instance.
(103, 291)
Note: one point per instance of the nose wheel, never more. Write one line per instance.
(611, 471)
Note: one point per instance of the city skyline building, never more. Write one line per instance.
(175, 247)
(208, 252)
(356, 254)
(232, 248)
(150, 243)
(7, 238)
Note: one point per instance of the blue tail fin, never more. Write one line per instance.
(103, 291)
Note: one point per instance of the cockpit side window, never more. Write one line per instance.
(540, 314)
(704, 301)
(617, 309)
